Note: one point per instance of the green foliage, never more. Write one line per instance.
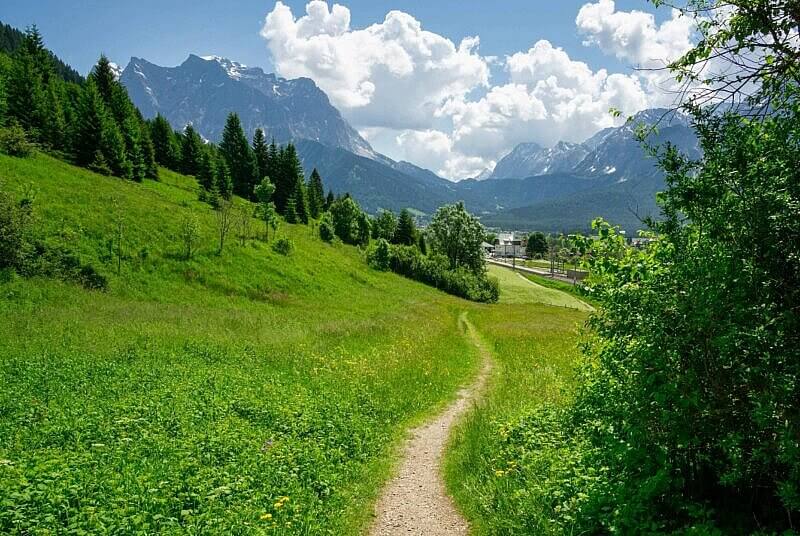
(238, 156)
(326, 229)
(283, 246)
(191, 151)
(265, 208)
(14, 141)
(345, 217)
(165, 145)
(435, 271)
(385, 225)
(379, 255)
(536, 247)
(260, 156)
(406, 230)
(457, 235)
(189, 235)
(316, 195)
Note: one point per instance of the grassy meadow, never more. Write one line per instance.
(246, 392)
(494, 459)
(240, 393)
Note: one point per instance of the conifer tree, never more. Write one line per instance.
(191, 151)
(89, 128)
(316, 195)
(223, 181)
(112, 145)
(54, 125)
(206, 175)
(148, 152)
(406, 229)
(289, 171)
(273, 161)
(164, 145)
(300, 197)
(239, 156)
(103, 76)
(261, 154)
(25, 92)
(329, 200)
(290, 214)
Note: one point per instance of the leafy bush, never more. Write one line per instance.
(14, 141)
(326, 232)
(378, 255)
(435, 270)
(283, 246)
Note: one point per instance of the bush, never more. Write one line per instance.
(14, 141)
(435, 271)
(326, 228)
(283, 246)
(378, 256)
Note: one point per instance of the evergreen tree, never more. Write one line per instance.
(224, 184)
(164, 145)
(316, 195)
(206, 174)
(25, 93)
(191, 151)
(406, 229)
(103, 76)
(148, 152)
(261, 155)
(290, 214)
(329, 200)
(90, 124)
(54, 126)
(238, 156)
(112, 145)
(273, 161)
(289, 171)
(301, 200)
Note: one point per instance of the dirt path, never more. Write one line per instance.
(415, 500)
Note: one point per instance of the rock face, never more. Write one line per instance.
(203, 90)
(531, 159)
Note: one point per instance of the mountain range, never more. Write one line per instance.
(552, 189)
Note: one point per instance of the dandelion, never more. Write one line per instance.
(266, 517)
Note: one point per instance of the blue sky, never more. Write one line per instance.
(166, 31)
(408, 75)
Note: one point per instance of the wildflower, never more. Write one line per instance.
(266, 517)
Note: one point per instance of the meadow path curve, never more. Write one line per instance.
(415, 500)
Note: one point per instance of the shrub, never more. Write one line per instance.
(14, 141)
(435, 271)
(326, 228)
(283, 246)
(378, 255)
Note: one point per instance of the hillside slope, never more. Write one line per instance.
(238, 392)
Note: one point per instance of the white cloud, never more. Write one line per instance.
(413, 92)
(634, 35)
(391, 74)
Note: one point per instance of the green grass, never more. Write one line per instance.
(563, 286)
(516, 289)
(194, 395)
(488, 467)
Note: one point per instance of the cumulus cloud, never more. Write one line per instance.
(634, 36)
(425, 99)
(392, 73)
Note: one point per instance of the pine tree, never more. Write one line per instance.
(300, 197)
(103, 76)
(166, 151)
(206, 175)
(191, 151)
(25, 93)
(329, 200)
(54, 126)
(148, 152)
(289, 171)
(290, 214)
(273, 161)
(112, 145)
(89, 128)
(316, 195)
(406, 229)
(239, 156)
(223, 181)
(261, 154)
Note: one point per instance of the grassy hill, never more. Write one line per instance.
(240, 392)
(243, 392)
